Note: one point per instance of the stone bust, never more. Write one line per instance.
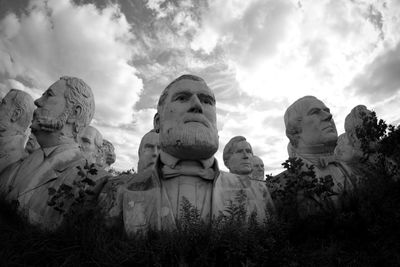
(352, 122)
(91, 141)
(313, 136)
(258, 168)
(62, 112)
(109, 156)
(186, 119)
(238, 156)
(149, 149)
(310, 126)
(185, 169)
(16, 110)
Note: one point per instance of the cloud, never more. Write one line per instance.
(380, 78)
(56, 38)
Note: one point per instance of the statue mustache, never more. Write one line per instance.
(196, 118)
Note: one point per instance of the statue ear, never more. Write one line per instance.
(156, 122)
(76, 112)
(17, 113)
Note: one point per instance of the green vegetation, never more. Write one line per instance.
(365, 232)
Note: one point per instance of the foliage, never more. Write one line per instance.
(365, 232)
(299, 180)
(77, 194)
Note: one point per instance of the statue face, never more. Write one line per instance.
(87, 143)
(258, 168)
(110, 157)
(51, 106)
(345, 151)
(188, 121)
(31, 144)
(149, 151)
(6, 110)
(240, 162)
(318, 127)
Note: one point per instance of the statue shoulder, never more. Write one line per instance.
(143, 181)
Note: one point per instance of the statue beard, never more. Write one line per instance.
(191, 142)
(44, 122)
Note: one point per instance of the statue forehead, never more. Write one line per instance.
(258, 160)
(190, 86)
(90, 132)
(58, 87)
(151, 138)
(241, 144)
(309, 103)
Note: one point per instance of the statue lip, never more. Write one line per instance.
(196, 118)
(328, 127)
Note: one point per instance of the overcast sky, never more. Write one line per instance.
(257, 56)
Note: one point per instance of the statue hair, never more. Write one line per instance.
(79, 93)
(230, 148)
(24, 101)
(293, 118)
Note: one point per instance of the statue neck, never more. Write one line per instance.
(50, 139)
(316, 149)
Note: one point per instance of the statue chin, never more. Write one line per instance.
(188, 142)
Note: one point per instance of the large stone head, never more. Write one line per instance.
(108, 152)
(149, 149)
(309, 124)
(258, 168)
(65, 108)
(238, 156)
(353, 121)
(16, 111)
(91, 142)
(186, 119)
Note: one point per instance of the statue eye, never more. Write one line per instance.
(181, 97)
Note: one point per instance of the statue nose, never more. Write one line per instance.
(327, 115)
(38, 102)
(195, 105)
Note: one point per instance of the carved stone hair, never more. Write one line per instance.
(293, 118)
(230, 148)
(355, 119)
(108, 146)
(164, 94)
(79, 93)
(24, 101)
(142, 141)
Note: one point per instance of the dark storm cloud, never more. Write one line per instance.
(381, 78)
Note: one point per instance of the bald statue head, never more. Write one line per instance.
(91, 141)
(258, 168)
(16, 111)
(63, 111)
(309, 124)
(186, 119)
(238, 156)
(109, 156)
(149, 149)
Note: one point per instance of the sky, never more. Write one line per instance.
(258, 56)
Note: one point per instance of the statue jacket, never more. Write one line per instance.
(47, 176)
(12, 150)
(144, 202)
(324, 166)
